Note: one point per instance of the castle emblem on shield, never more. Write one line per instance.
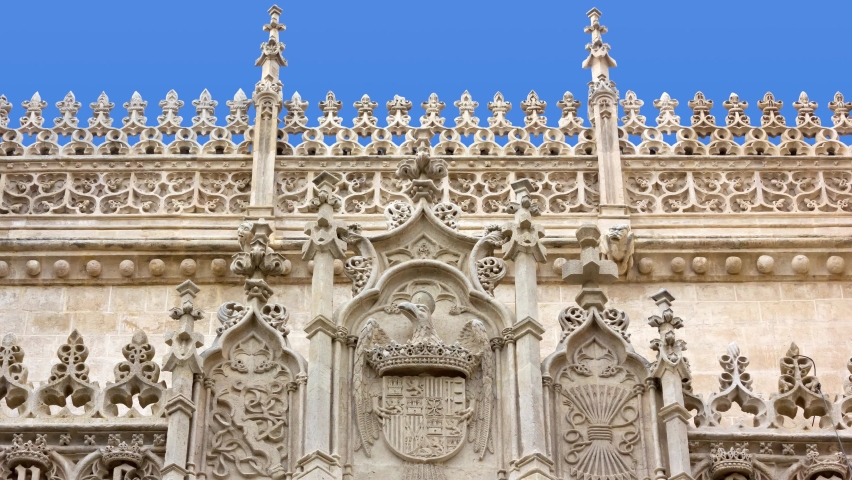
(434, 397)
(426, 417)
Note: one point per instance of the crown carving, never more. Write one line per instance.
(117, 453)
(831, 466)
(28, 454)
(735, 460)
(421, 357)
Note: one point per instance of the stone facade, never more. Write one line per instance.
(446, 300)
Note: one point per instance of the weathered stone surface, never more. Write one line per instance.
(393, 303)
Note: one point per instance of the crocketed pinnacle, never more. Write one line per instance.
(598, 60)
(270, 51)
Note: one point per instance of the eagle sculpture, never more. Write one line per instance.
(366, 383)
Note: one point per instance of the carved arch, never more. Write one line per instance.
(92, 467)
(390, 285)
(595, 401)
(457, 306)
(423, 236)
(252, 401)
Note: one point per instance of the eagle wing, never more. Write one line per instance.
(362, 378)
(480, 387)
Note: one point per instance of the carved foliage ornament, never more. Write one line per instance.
(358, 269)
(397, 213)
(490, 271)
(448, 213)
(257, 260)
(423, 171)
(13, 373)
(137, 375)
(735, 387)
(797, 388)
(572, 318)
(68, 386)
(248, 427)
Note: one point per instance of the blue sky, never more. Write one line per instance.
(383, 47)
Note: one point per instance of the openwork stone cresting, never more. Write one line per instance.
(393, 306)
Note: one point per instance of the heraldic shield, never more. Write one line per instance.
(426, 416)
(426, 398)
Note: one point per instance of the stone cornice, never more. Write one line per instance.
(675, 411)
(320, 324)
(528, 326)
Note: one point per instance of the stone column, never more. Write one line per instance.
(497, 344)
(547, 385)
(671, 370)
(603, 114)
(267, 104)
(324, 246)
(524, 248)
(510, 382)
(183, 361)
(346, 408)
(557, 445)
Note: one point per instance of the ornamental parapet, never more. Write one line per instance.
(568, 136)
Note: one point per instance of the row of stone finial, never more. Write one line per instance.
(69, 391)
(101, 122)
(736, 120)
(295, 121)
(799, 392)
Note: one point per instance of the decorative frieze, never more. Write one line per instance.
(432, 369)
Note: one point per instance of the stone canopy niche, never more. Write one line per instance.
(424, 383)
(431, 369)
(598, 402)
(253, 381)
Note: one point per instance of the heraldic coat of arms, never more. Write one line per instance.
(426, 398)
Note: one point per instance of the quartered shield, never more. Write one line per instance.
(425, 416)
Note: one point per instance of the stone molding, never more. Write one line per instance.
(424, 373)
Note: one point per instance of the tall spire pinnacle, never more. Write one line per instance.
(267, 103)
(598, 60)
(270, 57)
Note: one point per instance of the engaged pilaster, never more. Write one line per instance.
(326, 243)
(603, 113)
(184, 362)
(672, 371)
(267, 103)
(525, 250)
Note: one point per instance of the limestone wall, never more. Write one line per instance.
(763, 318)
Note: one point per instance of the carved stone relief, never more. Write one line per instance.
(618, 246)
(424, 376)
(433, 395)
(253, 380)
(599, 399)
(601, 415)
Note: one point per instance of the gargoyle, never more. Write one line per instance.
(617, 245)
